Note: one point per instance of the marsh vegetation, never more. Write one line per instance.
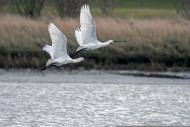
(157, 37)
(156, 43)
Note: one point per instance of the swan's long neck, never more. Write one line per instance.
(77, 60)
(106, 43)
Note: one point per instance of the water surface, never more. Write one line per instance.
(91, 98)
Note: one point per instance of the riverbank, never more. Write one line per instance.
(152, 44)
(93, 76)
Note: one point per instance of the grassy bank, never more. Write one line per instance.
(153, 44)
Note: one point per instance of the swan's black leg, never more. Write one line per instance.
(76, 53)
(47, 67)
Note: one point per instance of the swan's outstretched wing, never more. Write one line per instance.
(78, 35)
(88, 26)
(59, 42)
(48, 49)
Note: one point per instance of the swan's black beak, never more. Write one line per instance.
(90, 60)
(119, 41)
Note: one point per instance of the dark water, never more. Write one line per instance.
(89, 99)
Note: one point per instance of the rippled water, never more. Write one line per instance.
(67, 99)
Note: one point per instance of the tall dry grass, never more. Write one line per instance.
(159, 43)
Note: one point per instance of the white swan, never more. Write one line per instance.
(58, 50)
(86, 34)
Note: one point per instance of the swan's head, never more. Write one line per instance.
(110, 41)
(80, 59)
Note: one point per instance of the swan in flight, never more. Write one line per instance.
(86, 34)
(58, 50)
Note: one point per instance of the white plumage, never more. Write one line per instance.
(48, 49)
(86, 34)
(58, 50)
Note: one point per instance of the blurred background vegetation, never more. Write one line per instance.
(157, 31)
(118, 8)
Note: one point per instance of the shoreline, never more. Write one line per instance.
(125, 73)
(166, 74)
